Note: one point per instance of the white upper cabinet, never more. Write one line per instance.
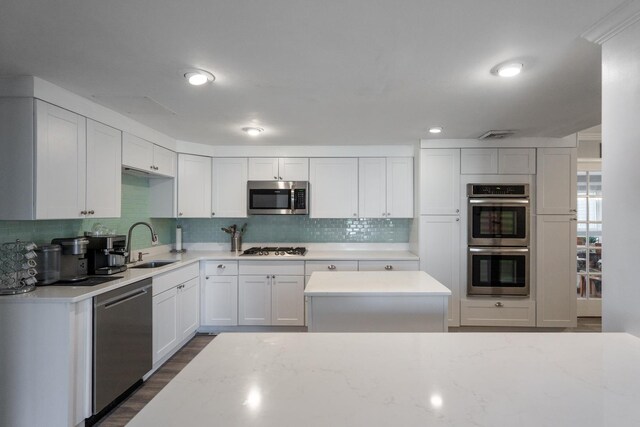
(60, 163)
(479, 161)
(229, 195)
(333, 187)
(385, 187)
(439, 181)
(517, 161)
(372, 180)
(263, 169)
(556, 181)
(399, 187)
(145, 156)
(278, 169)
(293, 168)
(104, 177)
(194, 186)
(164, 161)
(512, 161)
(56, 164)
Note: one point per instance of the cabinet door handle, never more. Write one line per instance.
(574, 219)
(180, 214)
(275, 177)
(388, 267)
(206, 277)
(384, 214)
(355, 214)
(213, 214)
(499, 304)
(331, 267)
(83, 212)
(91, 212)
(457, 210)
(273, 277)
(151, 167)
(280, 178)
(388, 213)
(457, 219)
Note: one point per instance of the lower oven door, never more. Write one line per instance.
(498, 271)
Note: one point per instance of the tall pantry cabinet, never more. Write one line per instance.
(440, 221)
(556, 237)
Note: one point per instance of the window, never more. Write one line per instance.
(589, 261)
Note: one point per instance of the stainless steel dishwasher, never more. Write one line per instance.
(122, 342)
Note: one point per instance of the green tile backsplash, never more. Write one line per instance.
(299, 229)
(261, 228)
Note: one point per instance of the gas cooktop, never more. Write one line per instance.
(275, 251)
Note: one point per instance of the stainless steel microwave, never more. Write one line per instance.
(278, 197)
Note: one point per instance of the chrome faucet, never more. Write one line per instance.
(154, 239)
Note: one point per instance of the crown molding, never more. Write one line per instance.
(628, 13)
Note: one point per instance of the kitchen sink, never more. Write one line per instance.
(153, 264)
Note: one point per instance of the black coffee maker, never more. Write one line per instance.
(106, 254)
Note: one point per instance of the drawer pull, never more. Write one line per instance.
(222, 266)
(388, 267)
(331, 267)
(499, 304)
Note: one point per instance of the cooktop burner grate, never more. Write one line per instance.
(277, 251)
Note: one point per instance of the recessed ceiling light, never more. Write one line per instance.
(198, 77)
(509, 70)
(253, 131)
(435, 129)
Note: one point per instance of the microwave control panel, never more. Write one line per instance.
(300, 198)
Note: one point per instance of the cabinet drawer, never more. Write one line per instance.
(165, 281)
(271, 267)
(497, 312)
(311, 266)
(388, 265)
(221, 268)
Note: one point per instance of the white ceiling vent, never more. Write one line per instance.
(497, 134)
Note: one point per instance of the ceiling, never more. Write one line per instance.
(326, 72)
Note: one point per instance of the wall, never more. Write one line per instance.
(135, 201)
(620, 153)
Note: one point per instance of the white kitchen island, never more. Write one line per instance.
(370, 301)
(455, 379)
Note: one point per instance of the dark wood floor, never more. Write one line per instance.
(121, 415)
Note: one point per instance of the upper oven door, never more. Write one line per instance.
(498, 222)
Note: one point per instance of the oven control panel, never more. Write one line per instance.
(501, 190)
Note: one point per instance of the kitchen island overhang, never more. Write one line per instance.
(372, 301)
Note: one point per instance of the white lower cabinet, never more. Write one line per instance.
(388, 265)
(556, 271)
(497, 312)
(440, 256)
(220, 294)
(176, 310)
(165, 323)
(265, 298)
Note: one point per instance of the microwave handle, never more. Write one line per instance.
(501, 249)
(293, 200)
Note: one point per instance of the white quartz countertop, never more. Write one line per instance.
(413, 379)
(72, 294)
(370, 283)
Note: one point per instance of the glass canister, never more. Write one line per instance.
(48, 267)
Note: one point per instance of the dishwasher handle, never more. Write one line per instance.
(125, 298)
(127, 292)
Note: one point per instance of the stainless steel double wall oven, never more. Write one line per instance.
(498, 239)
